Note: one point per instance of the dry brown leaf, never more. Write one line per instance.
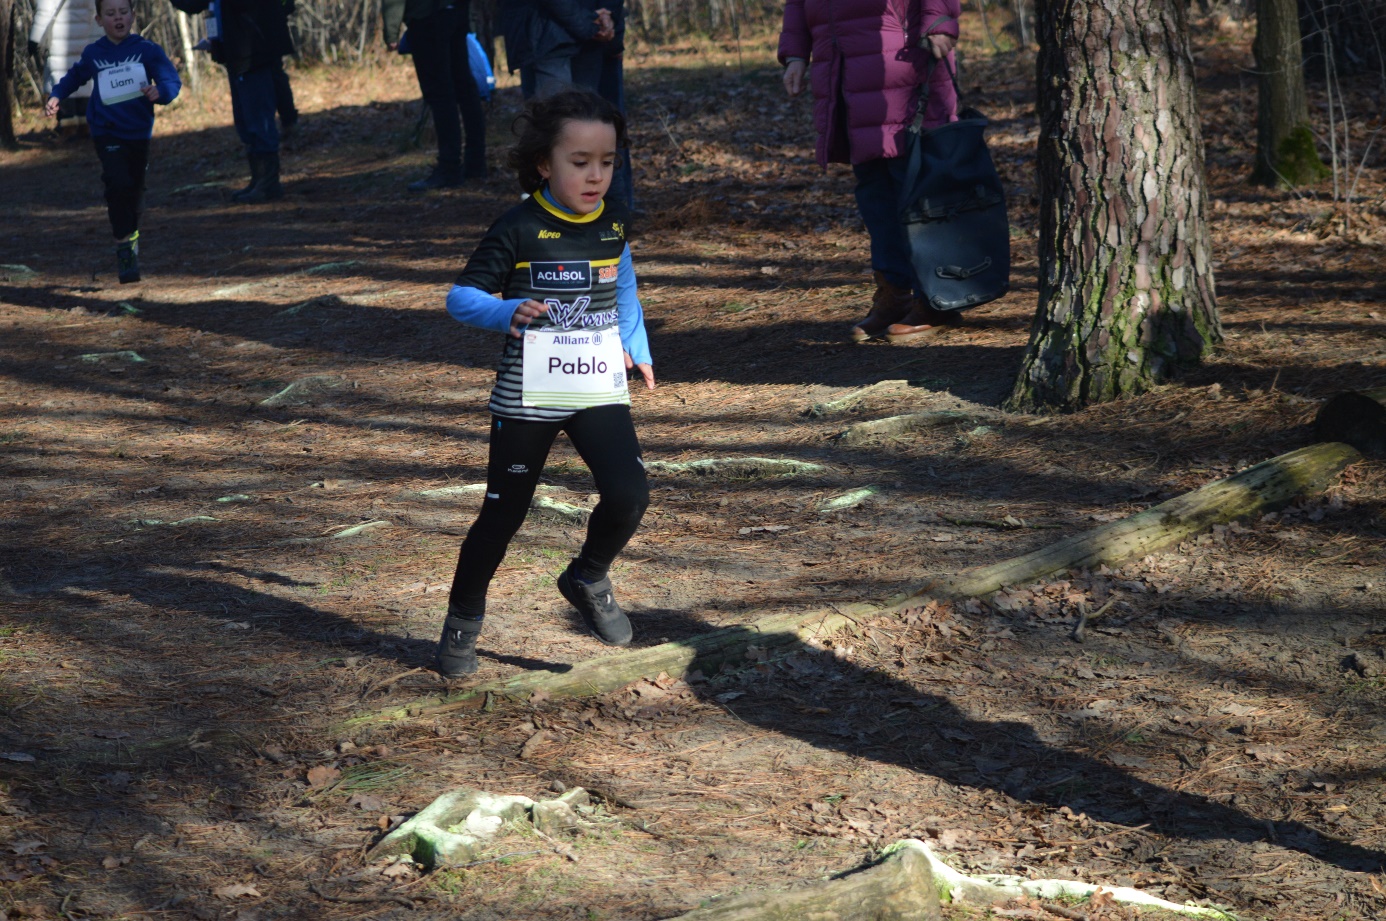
(533, 743)
(236, 890)
(367, 802)
(323, 775)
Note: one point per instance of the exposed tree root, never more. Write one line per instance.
(736, 468)
(844, 403)
(898, 888)
(909, 883)
(901, 425)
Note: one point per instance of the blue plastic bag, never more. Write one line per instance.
(481, 67)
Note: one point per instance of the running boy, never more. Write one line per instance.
(131, 74)
(574, 326)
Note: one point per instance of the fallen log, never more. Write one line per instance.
(1265, 487)
(1357, 418)
(899, 888)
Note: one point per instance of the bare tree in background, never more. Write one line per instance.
(7, 29)
(1285, 151)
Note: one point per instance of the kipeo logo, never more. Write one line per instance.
(560, 276)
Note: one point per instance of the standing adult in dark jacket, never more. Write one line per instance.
(557, 44)
(438, 42)
(251, 40)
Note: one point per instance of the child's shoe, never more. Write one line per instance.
(597, 605)
(457, 648)
(128, 258)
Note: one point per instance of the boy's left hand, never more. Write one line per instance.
(646, 371)
(151, 92)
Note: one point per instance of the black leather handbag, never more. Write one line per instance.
(954, 210)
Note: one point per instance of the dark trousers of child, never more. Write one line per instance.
(604, 436)
(123, 164)
(439, 45)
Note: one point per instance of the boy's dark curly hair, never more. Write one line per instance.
(541, 122)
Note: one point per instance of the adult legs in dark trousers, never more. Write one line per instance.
(590, 68)
(439, 45)
(252, 109)
(612, 88)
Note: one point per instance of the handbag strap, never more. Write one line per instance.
(918, 125)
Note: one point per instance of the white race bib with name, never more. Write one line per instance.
(119, 84)
(573, 369)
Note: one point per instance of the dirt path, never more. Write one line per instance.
(199, 584)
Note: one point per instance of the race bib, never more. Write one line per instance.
(573, 369)
(119, 84)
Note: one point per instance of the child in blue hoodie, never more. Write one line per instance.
(131, 75)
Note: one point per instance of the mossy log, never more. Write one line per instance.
(1265, 487)
(1262, 488)
(1357, 418)
(899, 888)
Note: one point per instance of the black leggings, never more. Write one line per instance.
(605, 438)
(123, 164)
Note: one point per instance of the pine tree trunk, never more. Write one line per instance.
(1285, 152)
(1126, 278)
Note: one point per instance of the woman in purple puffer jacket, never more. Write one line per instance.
(866, 60)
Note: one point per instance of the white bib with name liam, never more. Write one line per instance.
(122, 83)
(573, 368)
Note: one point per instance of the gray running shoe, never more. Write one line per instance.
(597, 605)
(457, 648)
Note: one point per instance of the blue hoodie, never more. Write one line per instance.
(132, 119)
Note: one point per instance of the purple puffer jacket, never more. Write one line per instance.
(865, 67)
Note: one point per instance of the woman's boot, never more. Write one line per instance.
(922, 320)
(889, 305)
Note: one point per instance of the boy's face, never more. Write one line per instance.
(116, 17)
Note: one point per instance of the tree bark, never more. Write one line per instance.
(7, 19)
(1126, 279)
(1285, 152)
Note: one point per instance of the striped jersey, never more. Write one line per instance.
(566, 261)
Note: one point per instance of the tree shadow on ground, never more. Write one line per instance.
(833, 704)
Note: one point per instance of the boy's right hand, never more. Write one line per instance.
(524, 314)
(50, 108)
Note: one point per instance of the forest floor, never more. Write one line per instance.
(205, 576)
